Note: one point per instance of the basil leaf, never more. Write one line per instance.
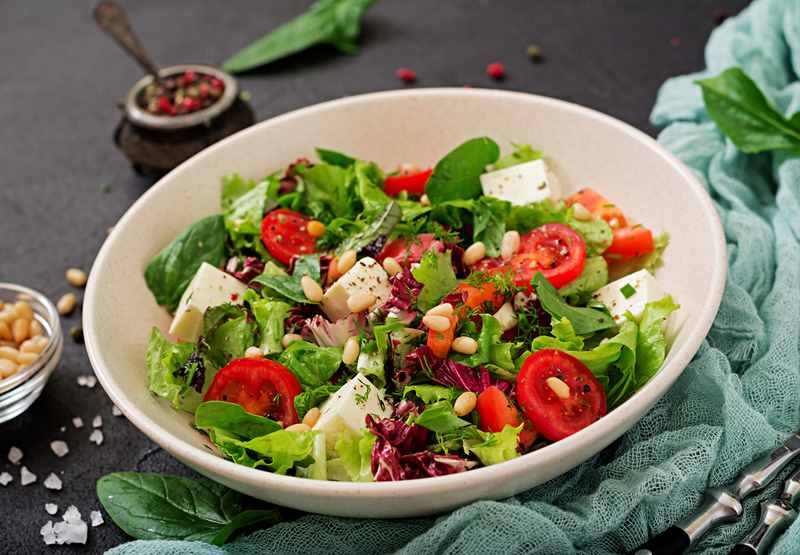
(584, 320)
(381, 226)
(335, 158)
(457, 175)
(162, 507)
(168, 274)
(743, 113)
(334, 22)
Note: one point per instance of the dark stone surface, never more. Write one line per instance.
(62, 183)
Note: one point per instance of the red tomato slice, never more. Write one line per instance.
(556, 418)
(599, 205)
(285, 234)
(495, 410)
(407, 251)
(556, 250)
(629, 242)
(414, 183)
(261, 386)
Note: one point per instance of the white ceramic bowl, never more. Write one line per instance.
(587, 149)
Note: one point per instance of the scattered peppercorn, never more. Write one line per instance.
(496, 70)
(76, 333)
(406, 75)
(182, 94)
(534, 52)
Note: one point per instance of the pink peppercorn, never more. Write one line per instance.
(496, 70)
(406, 75)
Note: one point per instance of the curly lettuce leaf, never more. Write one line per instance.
(227, 333)
(429, 394)
(355, 454)
(651, 345)
(281, 450)
(174, 374)
(491, 350)
(494, 447)
(529, 216)
(312, 365)
(593, 277)
(270, 316)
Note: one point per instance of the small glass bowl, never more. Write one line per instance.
(19, 391)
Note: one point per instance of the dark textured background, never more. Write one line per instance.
(62, 183)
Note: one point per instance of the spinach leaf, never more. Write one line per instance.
(334, 22)
(593, 277)
(173, 372)
(278, 282)
(168, 274)
(521, 154)
(435, 273)
(457, 175)
(743, 114)
(651, 345)
(584, 320)
(335, 158)
(381, 226)
(311, 364)
(232, 419)
(439, 417)
(162, 507)
(227, 333)
(314, 397)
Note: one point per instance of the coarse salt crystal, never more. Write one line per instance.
(51, 508)
(5, 479)
(96, 437)
(59, 448)
(96, 518)
(52, 482)
(72, 529)
(115, 411)
(48, 535)
(72, 515)
(15, 455)
(77, 422)
(97, 421)
(26, 476)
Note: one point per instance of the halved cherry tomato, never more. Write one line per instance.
(556, 418)
(261, 386)
(556, 250)
(439, 342)
(414, 183)
(495, 410)
(285, 234)
(598, 205)
(629, 242)
(407, 251)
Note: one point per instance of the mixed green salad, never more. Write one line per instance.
(339, 322)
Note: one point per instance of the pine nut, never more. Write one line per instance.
(26, 359)
(444, 309)
(290, 338)
(360, 301)
(391, 266)
(36, 328)
(315, 228)
(474, 253)
(23, 310)
(558, 386)
(346, 261)
(20, 329)
(253, 352)
(33, 345)
(351, 350)
(580, 212)
(8, 315)
(298, 428)
(9, 353)
(5, 332)
(465, 345)
(7, 368)
(436, 322)
(311, 417)
(510, 245)
(76, 277)
(424, 200)
(67, 304)
(465, 403)
(311, 289)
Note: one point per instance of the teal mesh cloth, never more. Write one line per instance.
(739, 397)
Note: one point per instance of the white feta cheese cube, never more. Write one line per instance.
(366, 276)
(522, 184)
(629, 294)
(209, 287)
(346, 409)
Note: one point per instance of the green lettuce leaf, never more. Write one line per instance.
(595, 232)
(313, 397)
(457, 175)
(651, 345)
(490, 349)
(270, 315)
(495, 447)
(171, 373)
(369, 189)
(529, 216)
(326, 193)
(435, 273)
(335, 158)
(429, 394)
(440, 418)
(227, 333)
(594, 276)
(281, 450)
(521, 154)
(244, 204)
(318, 469)
(311, 364)
(489, 223)
(355, 453)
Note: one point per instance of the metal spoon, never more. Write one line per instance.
(113, 19)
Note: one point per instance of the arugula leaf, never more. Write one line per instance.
(457, 175)
(529, 216)
(233, 420)
(335, 158)
(584, 320)
(172, 375)
(168, 274)
(312, 365)
(227, 333)
(162, 507)
(355, 453)
(742, 112)
(278, 282)
(651, 345)
(313, 397)
(593, 277)
(435, 273)
(432, 393)
(521, 154)
(495, 447)
(381, 226)
(490, 349)
(439, 417)
(281, 450)
(334, 22)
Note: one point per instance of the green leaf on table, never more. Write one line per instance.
(334, 22)
(457, 175)
(742, 112)
(585, 320)
(435, 273)
(161, 507)
(168, 274)
(311, 364)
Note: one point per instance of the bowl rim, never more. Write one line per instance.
(199, 458)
